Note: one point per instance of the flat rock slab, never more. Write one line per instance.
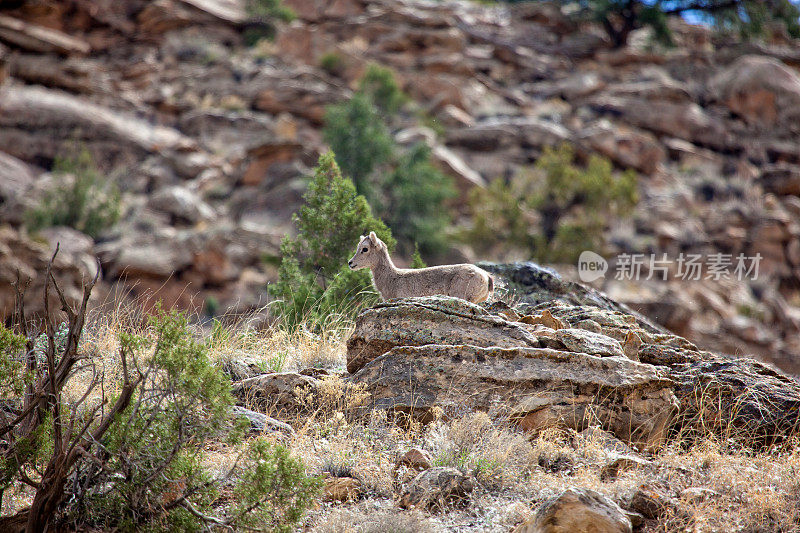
(536, 387)
(259, 422)
(582, 341)
(430, 320)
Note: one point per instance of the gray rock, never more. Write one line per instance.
(582, 341)
(617, 463)
(539, 287)
(652, 503)
(183, 205)
(536, 387)
(436, 488)
(431, 320)
(278, 391)
(260, 422)
(761, 89)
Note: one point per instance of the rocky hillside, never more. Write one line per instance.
(533, 418)
(209, 141)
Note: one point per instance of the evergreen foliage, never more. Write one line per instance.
(360, 139)
(748, 18)
(81, 198)
(263, 14)
(402, 185)
(414, 198)
(416, 258)
(381, 86)
(154, 454)
(556, 212)
(314, 281)
(146, 467)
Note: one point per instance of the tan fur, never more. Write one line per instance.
(463, 281)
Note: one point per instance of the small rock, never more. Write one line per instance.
(436, 487)
(782, 179)
(342, 489)
(280, 390)
(589, 325)
(617, 463)
(582, 341)
(604, 439)
(631, 346)
(416, 459)
(578, 511)
(260, 422)
(651, 503)
(545, 319)
(182, 205)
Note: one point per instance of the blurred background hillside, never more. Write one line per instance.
(173, 139)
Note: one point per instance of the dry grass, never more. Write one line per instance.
(732, 488)
(278, 349)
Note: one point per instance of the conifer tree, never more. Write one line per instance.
(314, 279)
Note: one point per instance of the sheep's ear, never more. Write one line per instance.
(373, 238)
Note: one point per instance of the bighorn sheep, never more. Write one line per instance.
(464, 281)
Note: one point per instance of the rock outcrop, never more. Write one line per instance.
(209, 139)
(438, 356)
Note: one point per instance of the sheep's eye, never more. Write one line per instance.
(364, 251)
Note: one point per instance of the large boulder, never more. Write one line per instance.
(578, 511)
(536, 387)
(16, 179)
(25, 261)
(434, 320)
(760, 89)
(684, 120)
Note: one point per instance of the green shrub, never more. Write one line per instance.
(273, 9)
(154, 454)
(402, 185)
(416, 258)
(360, 140)
(273, 490)
(332, 63)
(12, 369)
(556, 212)
(80, 198)
(381, 86)
(314, 281)
(263, 14)
(413, 199)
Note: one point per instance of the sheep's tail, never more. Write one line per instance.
(491, 284)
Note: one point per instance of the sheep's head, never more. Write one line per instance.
(368, 252)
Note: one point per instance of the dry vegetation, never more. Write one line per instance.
(706, 485)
